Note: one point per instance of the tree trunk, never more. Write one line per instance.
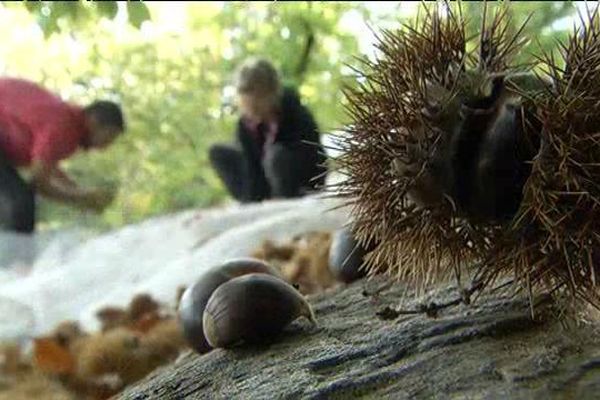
(491, 349)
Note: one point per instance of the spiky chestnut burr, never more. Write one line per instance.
(554, 240)
(443, 158)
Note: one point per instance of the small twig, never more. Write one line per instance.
(379, 290)
(388, 313)
(431, 309)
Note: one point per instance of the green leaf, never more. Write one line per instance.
(33, 6)
(68, 9)
(108, 9)
(48, 24)
(138, 13)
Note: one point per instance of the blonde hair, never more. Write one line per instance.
(257, 75)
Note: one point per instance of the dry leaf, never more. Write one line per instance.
(52, 358)
(144, 323)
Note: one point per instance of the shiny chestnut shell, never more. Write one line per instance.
(346, 256)
(252, 308)
(194, 299)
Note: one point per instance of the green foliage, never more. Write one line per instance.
(172, 73)
(138, 13)
(171, 87)
(539, 15)
(108, 9)
(58, 16)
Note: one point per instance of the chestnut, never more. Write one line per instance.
(252, 308)
(346, 256)
(194, 299)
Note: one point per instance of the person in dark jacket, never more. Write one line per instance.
(278, 152)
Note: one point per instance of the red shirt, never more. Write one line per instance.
(35, 124)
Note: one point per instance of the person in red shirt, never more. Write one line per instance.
(38, 130)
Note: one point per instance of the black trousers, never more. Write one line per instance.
(17, 200)
(287, 170)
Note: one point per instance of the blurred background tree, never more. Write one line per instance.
(171, 64)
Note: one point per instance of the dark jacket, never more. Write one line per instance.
(296, 129)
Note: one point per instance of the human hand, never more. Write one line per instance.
(98, 199)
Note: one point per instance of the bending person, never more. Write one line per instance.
(37, 131)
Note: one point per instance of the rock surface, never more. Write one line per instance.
(492, 349)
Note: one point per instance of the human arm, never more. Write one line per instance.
(255, 187)
(56, 140)
(297, 123)
(308, 126)
(49, 181)
(60, 176)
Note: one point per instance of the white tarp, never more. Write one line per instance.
(74, 276)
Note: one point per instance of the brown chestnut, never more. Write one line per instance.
(194, 299)
(346, 256)
(252, 308)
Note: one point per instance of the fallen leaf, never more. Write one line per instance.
(52, 358)
(145, 322)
